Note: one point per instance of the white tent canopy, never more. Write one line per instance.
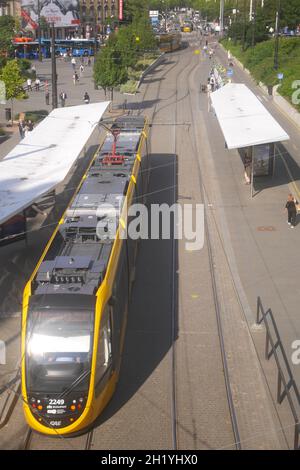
(43, 159)
(243, 118)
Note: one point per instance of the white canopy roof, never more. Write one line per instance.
(243, 118)
(43, 159)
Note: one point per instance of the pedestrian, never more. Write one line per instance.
(73, 62)
(212, 82)
(81, 69)
(63, 97)
(30, 125)
(86, 98)
(37, 84)
(26, 129)
(29, 84)
(247, 167)
(47, 98)
(33, 71)
(291, 207)
(21, 126)
(89, 62)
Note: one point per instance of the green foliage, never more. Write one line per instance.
(129, 87)
(12, 77)
(7, 26)
(125, 43)
(109, 70)
(260, 61)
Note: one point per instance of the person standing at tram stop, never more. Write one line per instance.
(247, 166)
(63, 97)
(291, 207)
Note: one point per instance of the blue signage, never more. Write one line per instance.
(229, 73)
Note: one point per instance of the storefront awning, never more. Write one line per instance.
(243, 118)
(43, 159)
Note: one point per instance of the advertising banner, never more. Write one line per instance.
(60, 12)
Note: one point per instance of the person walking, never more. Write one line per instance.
(37, 84)
(86, 98)
(63, 97)
(81, 70)
(30, 125)
(89, 62)
(47, 98)
(291, 207)
(21, 128)
(73, 62)
(29, 84)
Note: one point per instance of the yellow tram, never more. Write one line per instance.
(76, 302)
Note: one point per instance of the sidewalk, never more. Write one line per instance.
(36, 100)
(261, 248)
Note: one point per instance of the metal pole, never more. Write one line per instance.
(244, 26)
(277, 25)
(252, 173)
(222, 6)
(53, 69)
(39, 32)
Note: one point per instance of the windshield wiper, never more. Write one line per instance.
(75, 383)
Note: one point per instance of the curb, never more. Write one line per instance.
(149, 69)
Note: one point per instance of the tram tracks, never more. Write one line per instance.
(35, 441)
(212, 271)
(215, 288)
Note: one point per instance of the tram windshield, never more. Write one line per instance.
(59, 350)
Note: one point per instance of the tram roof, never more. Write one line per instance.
(43, 159)
(243, 118)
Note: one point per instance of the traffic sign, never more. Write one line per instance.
(229, 72)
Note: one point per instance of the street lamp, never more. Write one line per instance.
(277, 26)
(39, 32)
(53, 69)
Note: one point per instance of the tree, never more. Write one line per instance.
(109, 70)
(7, 27)
(13, 80)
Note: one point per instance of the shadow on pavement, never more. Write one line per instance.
(153, 309)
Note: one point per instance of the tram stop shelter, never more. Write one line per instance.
(41, 161)
(247, 124)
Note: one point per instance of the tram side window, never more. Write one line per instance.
(104, 354)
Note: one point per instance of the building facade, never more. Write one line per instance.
(97, 15)
(10, 7)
